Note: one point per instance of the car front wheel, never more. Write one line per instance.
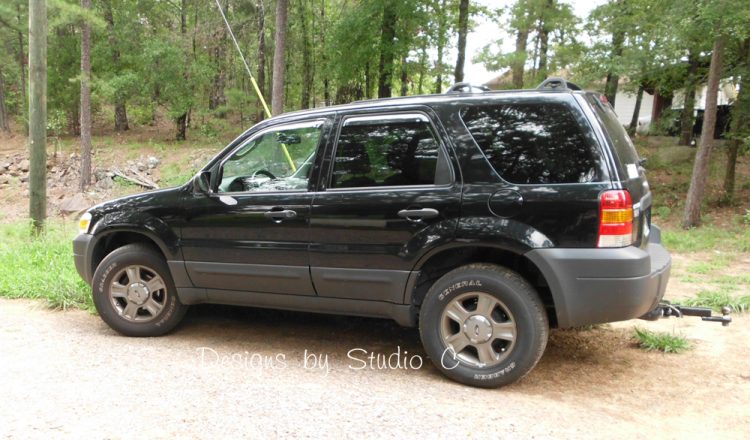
(134, 292)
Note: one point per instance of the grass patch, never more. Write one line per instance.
(708, 237)
(661, 341)
(174, 175)
(718, 299)
(732, 280)
(704, 267)
(124, 184)
(42, 267)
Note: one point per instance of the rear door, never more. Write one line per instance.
(389, 195)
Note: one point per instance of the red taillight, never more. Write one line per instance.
(615, 219)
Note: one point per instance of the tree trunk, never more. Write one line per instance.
(85, 100)
(313, 61)
(687, 118)
(121, 114)
(463, 30)
(38, 113)
(217, 97)
(740, 120)
(261, 57)
(279, 61)
(183, 17)
(404, 77)
(306, 59)
(181, 123)
(22, 66)
(369, 89)
(636, 111)
(535, 56)
(4, 125)
(326, 81)
(544, 41)
(699, 178)
(388, 34)
(522, 37)
(613, 79)
(422, 67)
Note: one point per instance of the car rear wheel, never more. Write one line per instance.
(134, 292)
(483, 325)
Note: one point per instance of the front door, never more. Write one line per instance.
(389, 195)
(251, 234)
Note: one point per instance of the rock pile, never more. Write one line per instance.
(63, 179)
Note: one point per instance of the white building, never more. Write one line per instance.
(625, 106)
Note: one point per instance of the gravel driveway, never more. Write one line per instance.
(229, 372)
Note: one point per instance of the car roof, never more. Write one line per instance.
(423, 100)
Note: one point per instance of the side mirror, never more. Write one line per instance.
(202, 183)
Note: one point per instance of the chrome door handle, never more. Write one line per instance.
(283, 214)
(418, 213)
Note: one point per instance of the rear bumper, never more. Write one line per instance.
(82, 256)
(591, 286)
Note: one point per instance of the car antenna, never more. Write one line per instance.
(255, 83)
(252, 78)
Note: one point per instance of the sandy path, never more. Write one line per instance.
(65, 374)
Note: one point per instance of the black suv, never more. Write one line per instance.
(482, 218)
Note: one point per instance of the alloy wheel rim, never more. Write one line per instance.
(478, 330)
(138, 293)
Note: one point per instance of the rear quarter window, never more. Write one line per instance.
(621, 143)
(535, 143)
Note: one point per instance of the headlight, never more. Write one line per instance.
(84, 223)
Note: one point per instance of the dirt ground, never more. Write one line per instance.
(240, 372)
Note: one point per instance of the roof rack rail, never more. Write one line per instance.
(557, 83)
(464, 87)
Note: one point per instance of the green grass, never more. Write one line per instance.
(731, 280)
(174, 175)
(42, 267)
(716, 299)
(708, 237)
(661, 341)
(715, 263)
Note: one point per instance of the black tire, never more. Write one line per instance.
(114, 309)
(513, 304)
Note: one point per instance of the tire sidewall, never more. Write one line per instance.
(521, 301)
(103, 277)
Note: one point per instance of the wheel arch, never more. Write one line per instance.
(441, 261)
(114, 238)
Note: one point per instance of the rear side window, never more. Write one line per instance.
(394, 150)
(621, 142)
(535, 143)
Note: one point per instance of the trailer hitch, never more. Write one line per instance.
(665, 310)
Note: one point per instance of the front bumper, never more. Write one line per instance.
(82, 256)
(591, 286)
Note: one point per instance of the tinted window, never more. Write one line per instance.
(621, 142)
(534, 143)
(385, 151)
